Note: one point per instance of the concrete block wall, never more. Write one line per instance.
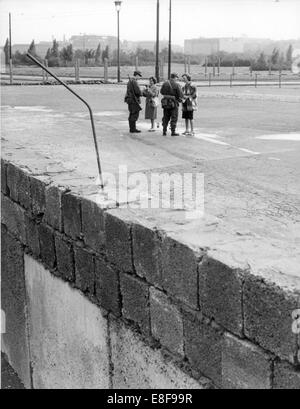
(218, 326)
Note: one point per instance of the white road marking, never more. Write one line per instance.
(211, 139)
(281, 137)
(271, 158)
(247, 150)
(109, 113)
(33, 108)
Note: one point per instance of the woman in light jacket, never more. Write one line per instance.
(189, 105)
(151, 93)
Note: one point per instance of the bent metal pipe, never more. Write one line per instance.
(81, 99)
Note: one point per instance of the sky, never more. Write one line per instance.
(42, 20)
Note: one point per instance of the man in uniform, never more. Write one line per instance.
(172, 96)
(133, 99)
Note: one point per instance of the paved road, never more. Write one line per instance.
(247, 144)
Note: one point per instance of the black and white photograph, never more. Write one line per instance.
(150, 197)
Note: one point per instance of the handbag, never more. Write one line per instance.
(154, 102)
(167, 103)
(189, 105)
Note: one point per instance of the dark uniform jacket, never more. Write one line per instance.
(172, 90)
(134, 93)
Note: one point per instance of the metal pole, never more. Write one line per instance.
(85, 103)
(170, 38)
(157, 43)
(46, 65)
(279, 82)
(119, 72)
(10, 53)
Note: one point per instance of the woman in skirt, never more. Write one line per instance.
(151, 93)
(189, 105)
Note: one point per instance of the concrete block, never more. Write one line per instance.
(118, 241)
(4, 188)
(93, 225)
(137, 366)
(38, 195)
(147, 253)
(53, 213)
(108, 287)
(32, 236)
(13, 216)
(180, 271)
(220, 294)
(68, 334)
(166, 322)
(268, 317)
(64, 257)
(135, 298)
(13, 303)
(9, 378)
(286, 376)
(84, 270)
(203, 346)
(244, 365)
(71, 212)
(18, 182)
(47, 245)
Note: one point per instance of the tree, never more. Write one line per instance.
(289, 54)
(67, 54)
(32, 49)
(98, 54)
(48, 54)
(88, 55)
(105, 53)
(53, 57)
(261, 64)
(6, 51)
(275, 56)
(54, 49)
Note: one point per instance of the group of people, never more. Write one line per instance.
(172, 96)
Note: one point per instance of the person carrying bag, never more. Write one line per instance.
(172, 96)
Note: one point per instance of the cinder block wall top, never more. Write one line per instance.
(220, 326)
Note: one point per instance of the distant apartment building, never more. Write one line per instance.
(204, 46)
(92, 41)
(232, 45)
(207, 46)
(132, 46)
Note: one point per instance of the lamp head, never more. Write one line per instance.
(118, 5)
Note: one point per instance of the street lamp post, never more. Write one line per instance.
(170, 37)
(118, 8)
(10, 53)
(157, 43)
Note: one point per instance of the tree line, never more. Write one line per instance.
(66, 56)
(58, 57)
